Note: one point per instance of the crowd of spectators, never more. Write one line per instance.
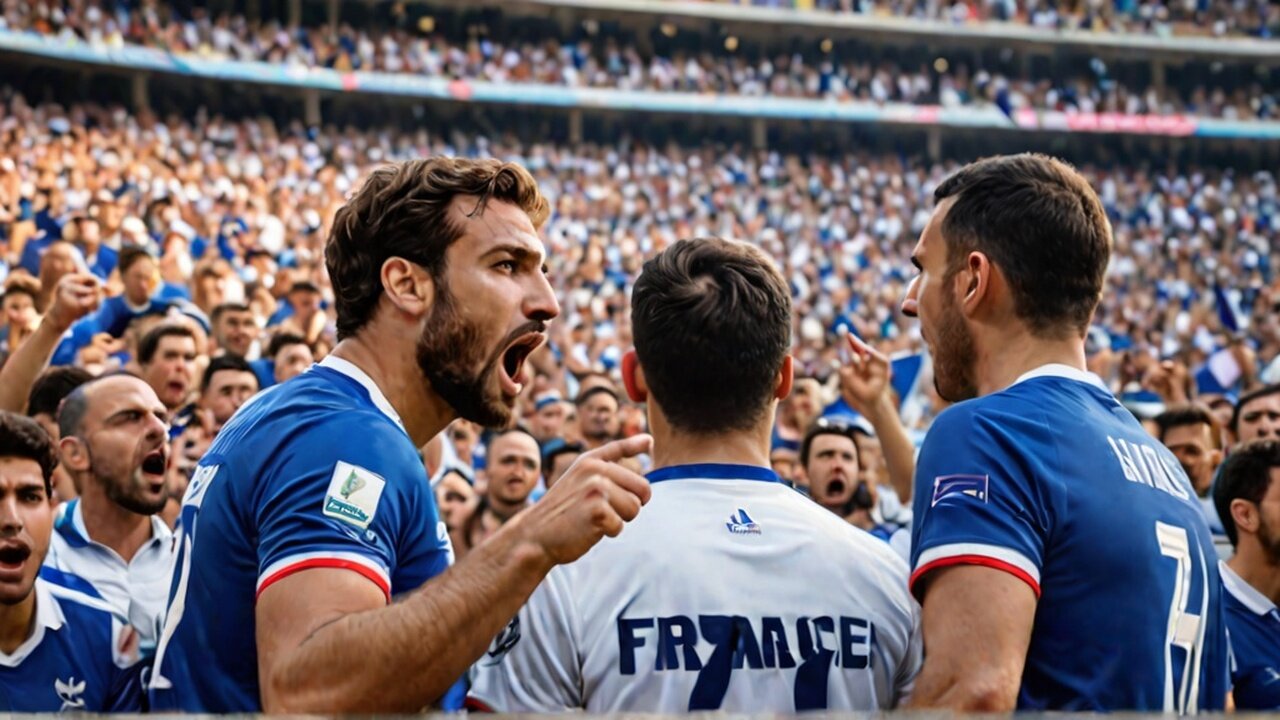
(600, 60)
(1256, 18)
(236, 213)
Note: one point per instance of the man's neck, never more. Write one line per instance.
(398, 376)
(861, 518)
(1020, 353)
(591, 443)
(16, 623)
(743, 447)
(106, 523)
(503, 511)
(1251, 564)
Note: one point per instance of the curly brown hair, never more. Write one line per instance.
(403, 211)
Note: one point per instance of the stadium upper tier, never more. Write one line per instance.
(851, 81)
(841, 227)
(1172, 24)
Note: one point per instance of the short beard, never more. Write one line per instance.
(953, 354)
(451, 356)
(119, 492)
(1269, 543)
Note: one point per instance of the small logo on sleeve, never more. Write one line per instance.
(741, 523)
(353, 495)
(977, 487)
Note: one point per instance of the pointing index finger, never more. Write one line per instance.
(625, 448)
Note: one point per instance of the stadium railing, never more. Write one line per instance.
(143, 59)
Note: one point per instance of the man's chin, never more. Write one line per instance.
(13, 592)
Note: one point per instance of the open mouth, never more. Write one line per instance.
(154, 462)
(836, 487)
(513, 360)
(12, 557)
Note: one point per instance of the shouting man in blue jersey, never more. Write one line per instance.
(1058, 550)
(311, 511)
(59, 648)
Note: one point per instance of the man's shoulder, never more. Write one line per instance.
(315, 403)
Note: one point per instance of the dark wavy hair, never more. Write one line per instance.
(403, 211)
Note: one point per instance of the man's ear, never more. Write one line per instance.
(1245, 515)
(408, 286)
(973, 282)
(633, 377)
(786, 376)
(74, 454)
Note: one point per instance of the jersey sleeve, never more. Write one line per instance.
(977, 496)
(532, 666)
(340, 497)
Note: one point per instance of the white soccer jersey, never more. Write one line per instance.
(729, 592)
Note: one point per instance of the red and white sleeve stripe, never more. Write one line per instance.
(365, 566)
(994, 556)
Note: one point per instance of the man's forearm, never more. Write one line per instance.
(899, 453)
(404, 657)
(26, 364)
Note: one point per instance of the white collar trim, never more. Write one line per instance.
(159, 530)
(1063, 371)
(349, 369)
(48, 617)
(1247, 594)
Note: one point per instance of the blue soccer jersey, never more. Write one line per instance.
(1254, 625)
(71, 661)
(1054, 482)
(316, 472)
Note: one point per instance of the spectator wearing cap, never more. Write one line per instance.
(597, 416)
(557, 456)
(785, 460)
(1247, 496)
(547, 421)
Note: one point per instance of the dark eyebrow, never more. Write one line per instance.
(520, 253)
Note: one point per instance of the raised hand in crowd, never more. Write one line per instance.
(77, 295)
(865, 385)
